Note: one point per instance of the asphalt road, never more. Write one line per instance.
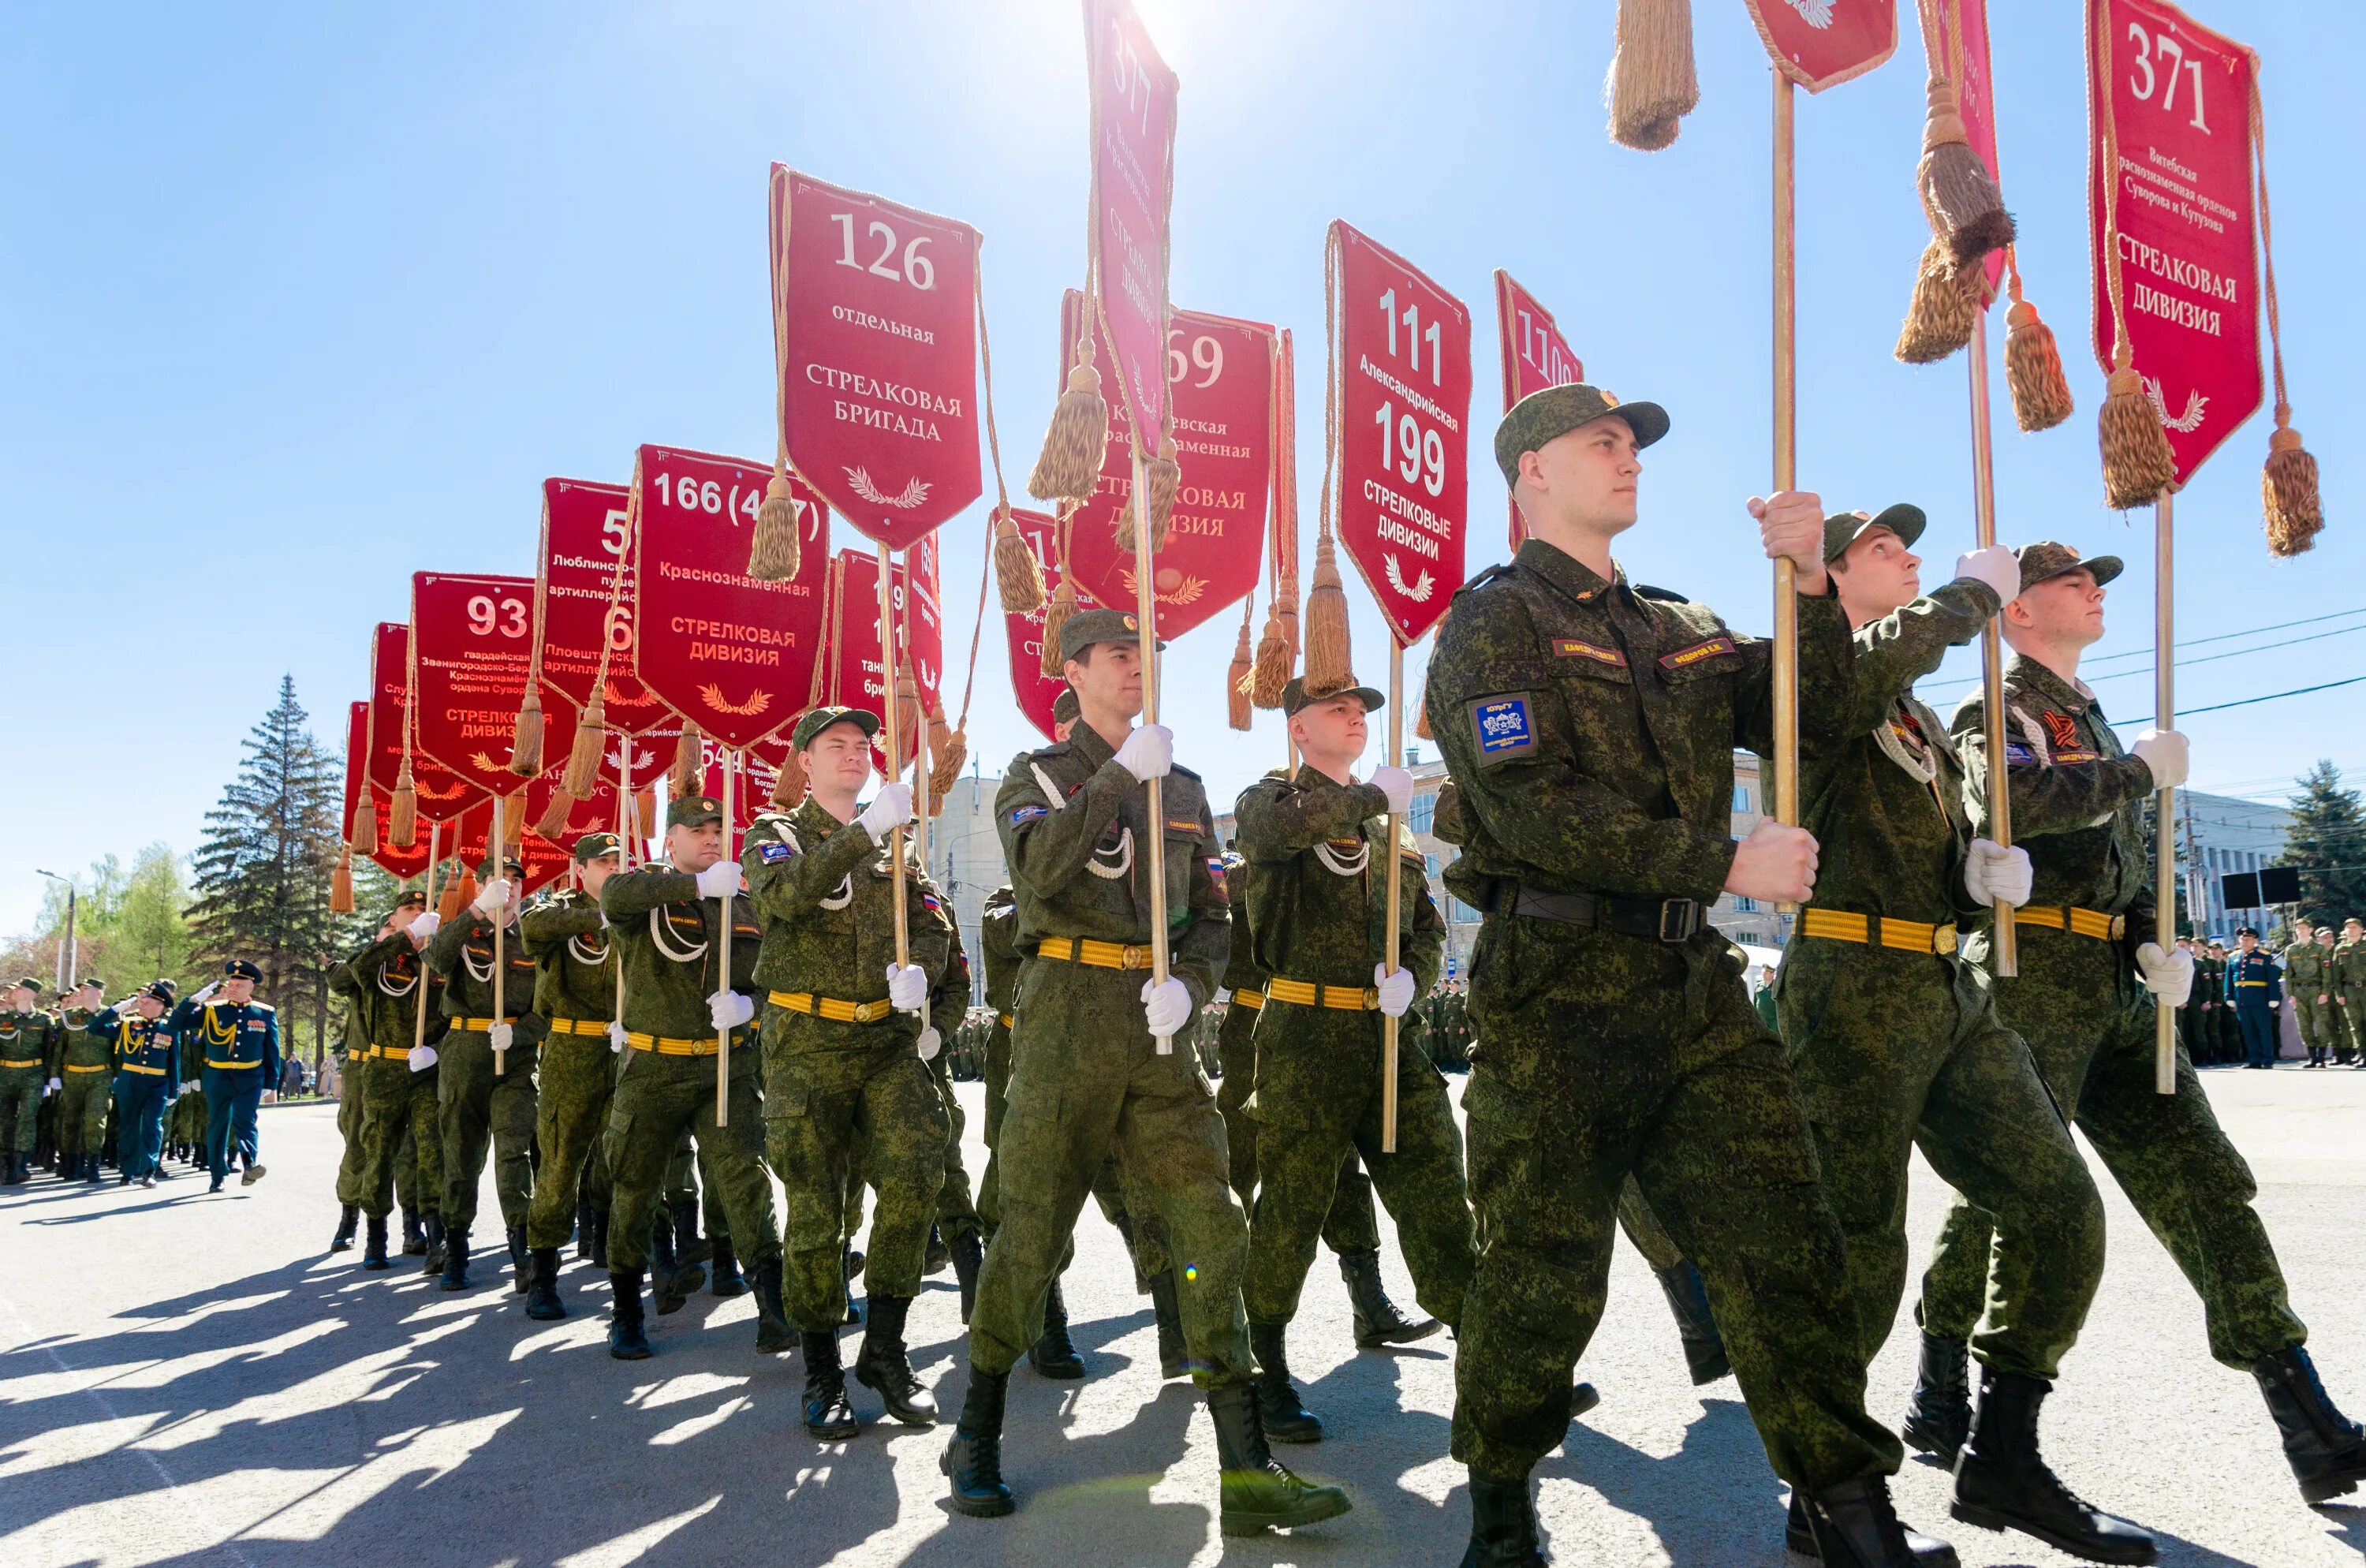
(187, 1379)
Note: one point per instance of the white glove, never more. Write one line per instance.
(1396, 989)
(2273, 1006)
(492, 896)
(189, 1086)
(206, 991)
(2167, 975)
(423, 926)
(908, 987)
(931, 1044)
(1991, 872)
(1993, 566)
(616, 1037)
(421, 1058)
(1168, 1006)
(1149, 753)
(888, 810)
(729, 1009)
(1397, 785)
(500, 1034)
(2167, 753)
(51, 1087)
(722, 877)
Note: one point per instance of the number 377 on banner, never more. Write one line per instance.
(1401, 384)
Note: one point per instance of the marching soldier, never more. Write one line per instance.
(1317, 853)
(2349, 993)
(384, 984)
(2084, 1003)
(232, 1047)
(25, 1049)
(2255, 983)
(1086, 1077)
(85, 1074)
(1589, 726)
(2308, 980)
(353, 1057)
(482, 1113)
(1895, 1044)
(666, 919)
(844, 1049)
(2331, 1031)
(143, 1053)
(2225, 1035)
(575, 996)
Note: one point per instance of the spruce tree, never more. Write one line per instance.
(2326, 840)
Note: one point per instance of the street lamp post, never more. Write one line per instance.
(69, 960)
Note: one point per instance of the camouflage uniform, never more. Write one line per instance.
(380, 983)
(86, 1073)
(575, 993)
(352, 1056)
(1590, 729)
(2308, 976)
(837, 1057)
(482, 1112)
(28, 1049)
(2349, 985)
(1892, 1033)
(2076, 803)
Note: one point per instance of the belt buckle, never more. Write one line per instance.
(1370, 999)
(2119, 928)
(1134, 957)
(1944, 939)
(1686, 912)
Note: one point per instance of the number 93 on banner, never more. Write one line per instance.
(1401, 384)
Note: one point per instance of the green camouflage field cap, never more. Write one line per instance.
(597, 846)
(1844, 528)
(814, 723)
(1086, 627)
(2045, 560)
(693, 811)
(1066, 709)
(1556, 410)
(1295, 695)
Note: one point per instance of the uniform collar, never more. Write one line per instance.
(1089, 744)
(1566, 572)
(2074, 696)
(812, 814)
(1312, 777)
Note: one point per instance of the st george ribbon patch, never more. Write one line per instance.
(1502, 728)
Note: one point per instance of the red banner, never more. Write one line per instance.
(1822, 43)
(1966, 23)
(1023, 634)
(1536, 356)
(1220, 375)
(752, 781)
(2181, 106)
(356, 766)
(856, 662)
(443, 794)
(733, 654)
(587, 535)
(463, 835)
(596, 815)
(1133, 186)
(1401, 382)
(875, 308)
(474, 656)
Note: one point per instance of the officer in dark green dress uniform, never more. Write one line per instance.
(143, 1051)
(234, 1044)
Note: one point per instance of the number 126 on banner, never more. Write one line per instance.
(1400, 381)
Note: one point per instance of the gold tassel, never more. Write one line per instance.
(553, 821)
(525, 738)
(459, 891)
(1016, 570)
(1652, 84)
(514, 825)
(644, 813)
(1055, 615)
(1329, 665)
(2288, 491)
(773, 548)
(1237, 681)
(1959, 197)
(947, 750)
(1275, 659)
(582, 777)
(1421, 712)
(365, 824)
(341, 884)
(789, 782)
(682, 778)
(402, 812)
(1162, 475)
(1940, 317)
(908, 722)
(2033, 361)
(1070, 465)
(2137, 462)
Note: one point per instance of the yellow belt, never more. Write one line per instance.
(1005, 1018)
(2079, 922)
(2259, 983)
(577, 1026)
(100, 1068)
(481, 1025)
(1910, 936)
(1248, 998)
(1306, 994)
(389, 1053)
(831, 1008)
(702, 1047)
(231, 1067)
(1098, 954)
(28, 1062)
(136, 1067)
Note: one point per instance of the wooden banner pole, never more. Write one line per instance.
(435, 857)
(1388, 1022)
(723, 956)
(2164, 806)
(500, 954)
(2004, 946)
(891, 728)
(1145, 614)
(1787, 456)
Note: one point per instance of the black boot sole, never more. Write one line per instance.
(376, 1265)
(1410, 1334)
(1001, 1507)
(1313, 1511)
(551, 1313)
(1709, 1368)
(908, 1416)
(1921, 1438)
(1583, 1398)
(727, 1286)
(668, 1292)
(835, 1431)
(1991, 1519)
(2325, 1488)
(628, 1352)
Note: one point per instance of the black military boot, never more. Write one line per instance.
(1258, 1493)
(936, 1255)
(628, 1341)
(1939, 1416)
(828, 1415)
(414, 1240)
(1174, 1350)
(431, 1255)
(1378, 1321)
(599, 1238)
(883, 1368)
(1279, 1412)
(1503, 1525)
(1696, 1325)
(773, 1334)
(374, 1245)
(688, 1246)
(520, 1266)
(671, 1280)
(90, 1175)
(724, 1276)
(1854, 1525)
(1054, 1356)
(2326, 1448)
(455, 1260)
(973, 1460)
(584, 1230)
(968, 1252)
(349, 1219)
(850, 1264)
(542, 1303)
(2002, 1481)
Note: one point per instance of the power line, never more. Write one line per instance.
(2229, 637)
(2235, 653)
(2247, 702)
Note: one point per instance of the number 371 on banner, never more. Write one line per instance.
(1401, 385)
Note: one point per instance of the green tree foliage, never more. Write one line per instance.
(2326, 840)
(129, 926)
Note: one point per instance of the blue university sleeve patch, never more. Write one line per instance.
(1028, 813)
(774, 853)
(1502, 728)
(2019, 754)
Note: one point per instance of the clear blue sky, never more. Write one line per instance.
(302, 299)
